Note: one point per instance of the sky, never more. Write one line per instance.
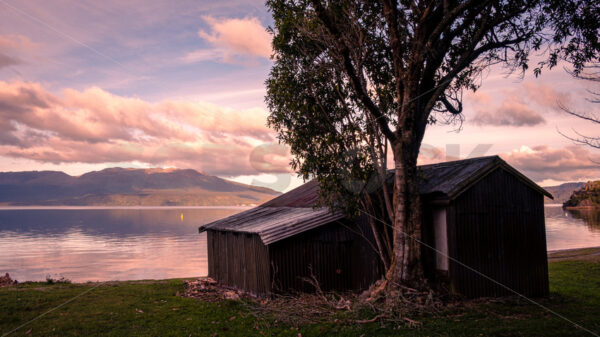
(86, 85)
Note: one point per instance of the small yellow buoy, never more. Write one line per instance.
(181, 216)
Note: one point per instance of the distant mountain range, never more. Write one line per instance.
(151, 187)
(561, 192)
(127, 187)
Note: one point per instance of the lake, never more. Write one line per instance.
(98, 244)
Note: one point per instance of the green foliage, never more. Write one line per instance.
(575, 29)
(345, 79)
(307, 97)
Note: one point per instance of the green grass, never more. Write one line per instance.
(151, 308)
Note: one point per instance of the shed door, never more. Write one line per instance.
(441, 238)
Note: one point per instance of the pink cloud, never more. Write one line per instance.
(17, 41)
(13, 45)
(7, 61)
(95, 126)
(526, 106)
(546, 96)
(219, 120)
(203, 55)
(570, 163)
(540, 163)
(428, 154)
(221, 159)
(234, 37)
(509, 113)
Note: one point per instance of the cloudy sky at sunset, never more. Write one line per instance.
(96, 84)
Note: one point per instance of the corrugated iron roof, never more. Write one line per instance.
(293, 212)
(454, 177)
(302, 196)
(275, 223)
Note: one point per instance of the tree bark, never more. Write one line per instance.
(405, 267)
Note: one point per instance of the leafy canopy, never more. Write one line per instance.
(349, 76)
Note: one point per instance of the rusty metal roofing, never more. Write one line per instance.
(275, 223)
(302, 196)
(293, 212)
(454, 177)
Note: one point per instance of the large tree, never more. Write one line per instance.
(352, 78)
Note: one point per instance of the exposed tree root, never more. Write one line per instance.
(376, 291)
(401, 306)
(372, 320)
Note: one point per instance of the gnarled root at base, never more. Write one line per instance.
(396, 300)
(375, 292)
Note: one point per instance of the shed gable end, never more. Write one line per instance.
(497, 228)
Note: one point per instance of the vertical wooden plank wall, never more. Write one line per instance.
(239, 260)
(498, 229)
(338, 253)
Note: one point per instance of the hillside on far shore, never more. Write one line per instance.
(127, 187)
(561, 192)
(586, 197)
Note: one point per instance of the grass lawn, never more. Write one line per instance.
(151, 308)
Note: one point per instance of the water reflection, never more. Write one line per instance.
(572, 228)
(591, 217)
(129, 244)
(107, 244)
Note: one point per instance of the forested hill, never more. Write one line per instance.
(561, 192)
(588, 196)
(127, 187)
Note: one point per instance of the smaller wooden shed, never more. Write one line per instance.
(484, 219)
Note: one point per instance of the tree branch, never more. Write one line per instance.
(390, 11)
(355, 81)
(593, 119)
(593, 142)
(451, 17)
(449, 107)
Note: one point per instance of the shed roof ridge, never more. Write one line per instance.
(272, 219)
(459, 162)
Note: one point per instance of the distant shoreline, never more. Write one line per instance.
(9, 208)
(572, 254)
(25, 207)
(572, 207)
(582, 207)
(569, 254)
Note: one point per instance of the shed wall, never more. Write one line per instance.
(497, 228)
(340, 255)
(239, 260)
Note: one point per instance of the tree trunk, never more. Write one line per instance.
(405, 267)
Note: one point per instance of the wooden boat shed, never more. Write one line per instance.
(484, 219)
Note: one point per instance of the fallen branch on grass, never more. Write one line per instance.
(372, 320)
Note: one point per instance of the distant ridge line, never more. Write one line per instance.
(118, 186)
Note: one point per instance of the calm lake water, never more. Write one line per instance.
(97, 244)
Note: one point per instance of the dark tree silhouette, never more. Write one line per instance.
(353, 76)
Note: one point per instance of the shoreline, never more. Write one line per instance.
(571, 249)
(582, 207)
(570, 254)
(575, 254)
(41, 207)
